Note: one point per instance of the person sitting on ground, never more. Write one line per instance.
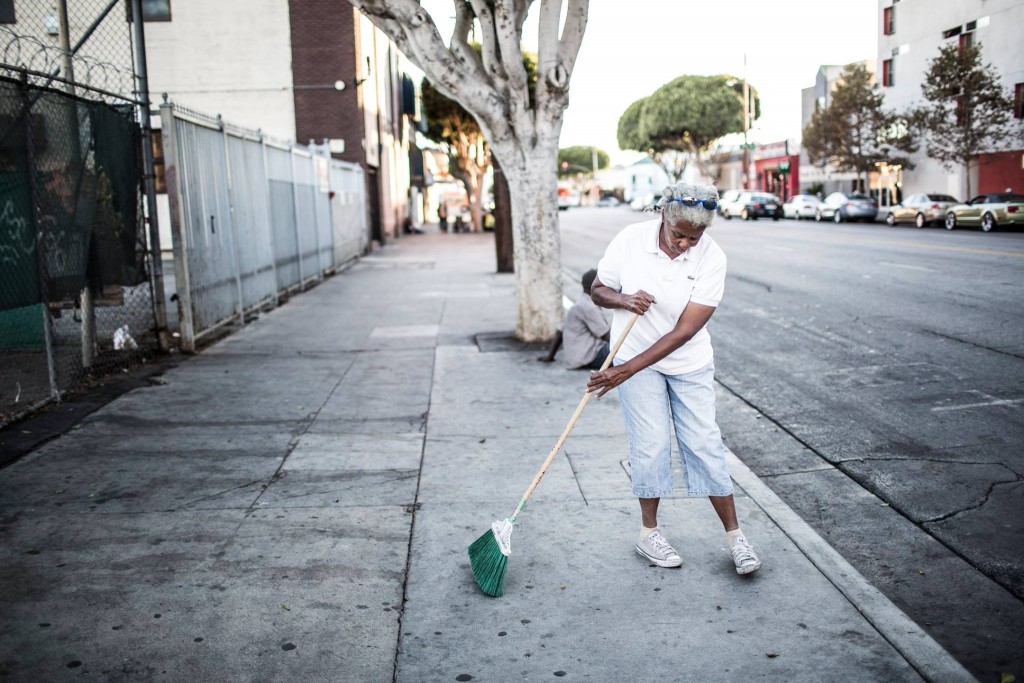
(585, 332)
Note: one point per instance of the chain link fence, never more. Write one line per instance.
(252, 219)
(76, 300)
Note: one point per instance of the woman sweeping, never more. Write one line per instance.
(671, 273)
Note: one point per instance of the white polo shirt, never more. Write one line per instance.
(635, 261)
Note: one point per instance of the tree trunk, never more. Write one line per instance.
(473, 181)
(532, 182)
(502, 221)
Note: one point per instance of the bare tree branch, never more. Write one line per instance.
(460, 39)
(416, 35)
(490, 48)
(572, 33)
(510, 33)
(552, 79)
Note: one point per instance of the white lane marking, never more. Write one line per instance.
(909, 267)
(997, 402)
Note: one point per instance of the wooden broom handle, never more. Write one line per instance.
(572, 420)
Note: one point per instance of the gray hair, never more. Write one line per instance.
(674, 212)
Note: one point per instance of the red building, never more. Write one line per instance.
(777, 169)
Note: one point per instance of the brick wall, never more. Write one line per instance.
(324, 39)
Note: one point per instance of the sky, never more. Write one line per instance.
(632, 47)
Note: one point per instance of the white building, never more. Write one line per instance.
(910, 35)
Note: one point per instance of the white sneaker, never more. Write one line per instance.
(744, 557)
(656, 549)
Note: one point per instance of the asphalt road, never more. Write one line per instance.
(874, 378)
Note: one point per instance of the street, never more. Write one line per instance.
(874, 378)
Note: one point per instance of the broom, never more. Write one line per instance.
(488, 555)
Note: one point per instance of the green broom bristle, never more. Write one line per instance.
(489, 564)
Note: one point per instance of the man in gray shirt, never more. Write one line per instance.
(585, 332)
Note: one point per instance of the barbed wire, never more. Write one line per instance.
(31, 53)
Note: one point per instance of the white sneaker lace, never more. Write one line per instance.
(660, 545)
(743, 553)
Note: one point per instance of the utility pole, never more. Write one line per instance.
(156, 258)
(746, 126)
(85, 296)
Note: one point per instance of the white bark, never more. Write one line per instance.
(494, 88)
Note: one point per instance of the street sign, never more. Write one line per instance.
(748, 145)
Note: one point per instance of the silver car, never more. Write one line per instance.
(801, 206)
(840, 206)
(921, 209)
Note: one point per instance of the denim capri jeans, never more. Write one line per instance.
(654, 405)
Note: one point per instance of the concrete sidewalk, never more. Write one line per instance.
(295, 503)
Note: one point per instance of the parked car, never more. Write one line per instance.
(641, 202)
(753, 205)
(567, 196)
(801, 206)
(921, 209)
(988, 211)
(727, 197)
(841, 206)
(610, 200)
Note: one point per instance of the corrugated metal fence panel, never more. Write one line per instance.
(305, 197)
(325, 236)
(210, 248)
(348, 213)
(282, 212)
(251, 218)
(251, 213)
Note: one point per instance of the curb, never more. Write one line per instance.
(920, 650)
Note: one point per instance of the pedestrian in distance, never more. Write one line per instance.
(442, 216)
(673, 275)
(585, 332)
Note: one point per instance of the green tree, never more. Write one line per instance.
(580, 159)
(680, 121)
(459, 135)
(968, 111)
(855, 131)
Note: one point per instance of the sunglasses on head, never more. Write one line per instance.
(709, 204)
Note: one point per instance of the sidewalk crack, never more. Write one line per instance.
(414, 508)
(575, 476)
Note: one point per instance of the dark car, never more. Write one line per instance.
(753, 205)
(840, 206)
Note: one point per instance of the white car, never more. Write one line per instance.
(727, 197)
(801, 206)
(567, 197)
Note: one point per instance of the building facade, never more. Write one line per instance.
(777, 169)
(817, 178)
(911, 32)
(304, 70)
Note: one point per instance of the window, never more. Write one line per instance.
(7, 12)
(889, 21)
(1018, 101)
(955, 31)
(966, 40)
(888, 74)
(156, 10)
